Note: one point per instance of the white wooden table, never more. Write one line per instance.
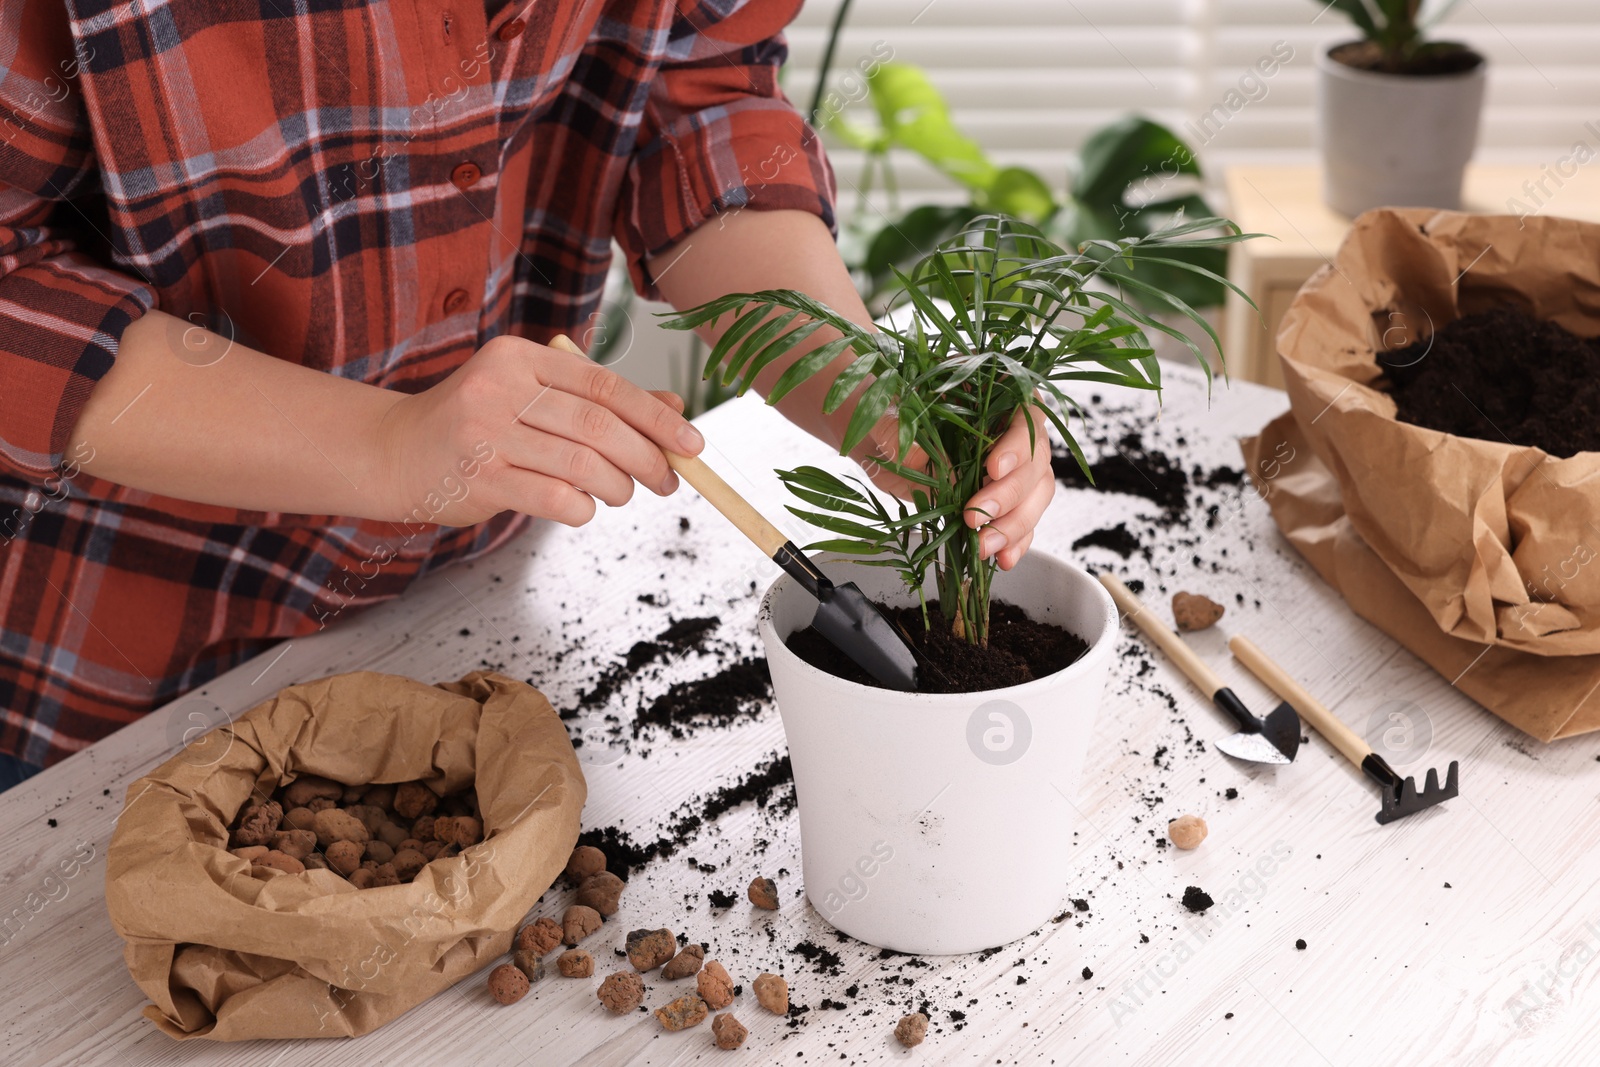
(1501, 967)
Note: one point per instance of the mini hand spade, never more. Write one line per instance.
(844, 614)
(1274, 739)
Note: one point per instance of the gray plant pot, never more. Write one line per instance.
(1391, 140)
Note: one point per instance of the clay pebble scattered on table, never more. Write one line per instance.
(1187, 831)
(728, 1032)
(1192, 612)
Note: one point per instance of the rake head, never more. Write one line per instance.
(1401, 797)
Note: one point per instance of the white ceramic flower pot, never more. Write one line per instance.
(941, 823)
(1391, 140)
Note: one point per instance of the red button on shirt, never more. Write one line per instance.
(465, 176)
(455, 301)
(511, 30)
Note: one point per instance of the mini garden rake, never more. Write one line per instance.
(1401, 797)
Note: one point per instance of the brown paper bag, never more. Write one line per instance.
(229, 956)
(1498, 542)
(1547, 697)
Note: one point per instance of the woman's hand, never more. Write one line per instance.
(1019, 488)
(522, 427)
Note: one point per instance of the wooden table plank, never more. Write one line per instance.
(1398, 968)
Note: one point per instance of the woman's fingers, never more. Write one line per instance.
(1015, 527)
(579, 465)
(1016, 445)
(672, 400)
(537, 494)
(645, 413)
(1010, 555)
(1014, 466)
(598, 428)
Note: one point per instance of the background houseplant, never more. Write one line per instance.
(1397, 114)
(1123, 187)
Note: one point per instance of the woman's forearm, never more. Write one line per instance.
(747, 251)
(192, 415)
(533, 429)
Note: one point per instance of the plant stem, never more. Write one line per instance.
(827, 59)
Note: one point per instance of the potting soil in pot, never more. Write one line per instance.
(1020, 649)
(1502, 375)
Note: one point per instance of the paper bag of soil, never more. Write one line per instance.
(1491, 538)
(1547, 697)
(229, 956)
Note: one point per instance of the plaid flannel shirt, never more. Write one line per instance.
(373, 188)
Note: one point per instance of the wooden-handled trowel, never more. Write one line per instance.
(844, 614)
(1274, 739)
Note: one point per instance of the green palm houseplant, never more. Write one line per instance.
(998, 320)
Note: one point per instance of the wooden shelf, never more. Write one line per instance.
(1286, 203)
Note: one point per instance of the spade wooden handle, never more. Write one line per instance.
(710, 485)
(727, 500)
(1346, 740)
(1162, 634)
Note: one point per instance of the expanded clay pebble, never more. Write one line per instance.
(296, 843)
(911, 1029)
(361, 878)
(422, 829)
(684, 963)
(621, 992)
(507, 984)
(461, 831)
(378, 850)
(344, 856)
(379, 796)
(407, 862)
(390, 833)
(278, 861)
(384, 874)
(727, 1031)
(1192, 611)
(575, 963)
(530, 963)
(308, 787)
(413, 800)
(335, 824)
(763, 894)
(1196, 899)
(586, 862)
(370, 817)
(649, 949)
(299, 819)
(1187, 831)
(602, 892)
(258, 824)
(714, 985)
(541, 935)
(688, 1010)
(773, 993)
(578, 923)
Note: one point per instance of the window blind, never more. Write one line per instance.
(1030, 79)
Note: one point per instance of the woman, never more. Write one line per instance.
(273, 291)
